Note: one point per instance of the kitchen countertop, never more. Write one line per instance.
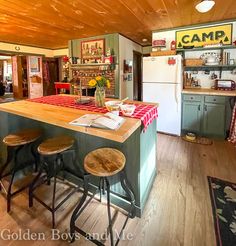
(53, 115)
(206, 91)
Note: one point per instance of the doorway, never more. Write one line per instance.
(6, 89)
(50, 75)
(137, 76)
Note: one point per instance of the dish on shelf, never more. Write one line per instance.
(212, 63)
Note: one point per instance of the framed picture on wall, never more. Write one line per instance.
(34, 64)
(92, 50)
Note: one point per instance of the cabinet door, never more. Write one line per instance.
(192, 114)
(214, 119)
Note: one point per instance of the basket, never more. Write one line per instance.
(36, 79)
(164, 53)
(193, 62)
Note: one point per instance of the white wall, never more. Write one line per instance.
(15, 48)
(61, 52)
(25, 49)
(204, 80)
(126, 48)
(146, 49)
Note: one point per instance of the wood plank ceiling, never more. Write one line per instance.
(51, 23)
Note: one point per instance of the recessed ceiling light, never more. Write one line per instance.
(144, 40)
(205, 6)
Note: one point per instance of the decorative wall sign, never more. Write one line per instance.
(92, 50)
(202, 36)
(128, 66)
(34, 64)
(159, 43)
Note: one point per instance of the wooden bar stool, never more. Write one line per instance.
(103, 163)
(15, 143)
(54, 148)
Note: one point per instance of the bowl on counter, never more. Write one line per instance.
(83, 100)
(113, 105)
(127, 109)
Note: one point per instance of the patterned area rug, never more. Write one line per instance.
(223, 201)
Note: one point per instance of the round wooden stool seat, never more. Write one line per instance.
(55, 145)
(104, 162)
(23, 137)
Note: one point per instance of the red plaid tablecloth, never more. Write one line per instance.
(232, 134)
(145, 112)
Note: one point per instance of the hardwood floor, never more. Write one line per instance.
(178, 211)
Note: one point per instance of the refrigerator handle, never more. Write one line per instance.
(176, 85)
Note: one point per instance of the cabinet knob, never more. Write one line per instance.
(205, 107)
(199, 107)
(191, 97)
(214, 99)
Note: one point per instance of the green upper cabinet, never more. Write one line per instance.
(192, 113)
(214, 119)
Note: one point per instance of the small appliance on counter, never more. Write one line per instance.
(224, 84)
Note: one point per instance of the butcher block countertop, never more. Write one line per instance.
(204, 91)
(61, 116)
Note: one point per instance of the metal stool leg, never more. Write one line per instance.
(10, 156)
(78, 210)
(33, 186)
(36, 157)
(53, 201)
(15, 168)
(125, 185)
(109, 211)
(9, 193)
(101, 187)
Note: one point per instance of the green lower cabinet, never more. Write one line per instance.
(204, 115)
(214, 120)
(192, 114)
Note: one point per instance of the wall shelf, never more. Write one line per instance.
(211, 68)
(207, 48)
(92, 65)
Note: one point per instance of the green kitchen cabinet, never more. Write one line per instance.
(214, 120)
(192, 113)
(204, 115)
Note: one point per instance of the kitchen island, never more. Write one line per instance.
(138, 146)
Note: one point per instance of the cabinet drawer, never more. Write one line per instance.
(192, 98)
(215, 99)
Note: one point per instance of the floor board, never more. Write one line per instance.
(178, 211)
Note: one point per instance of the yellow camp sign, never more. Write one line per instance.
(202, 36)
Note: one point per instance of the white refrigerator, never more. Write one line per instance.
(162, 83)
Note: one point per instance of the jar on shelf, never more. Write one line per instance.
(173, 45)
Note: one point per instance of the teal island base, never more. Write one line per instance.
(140, 150)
